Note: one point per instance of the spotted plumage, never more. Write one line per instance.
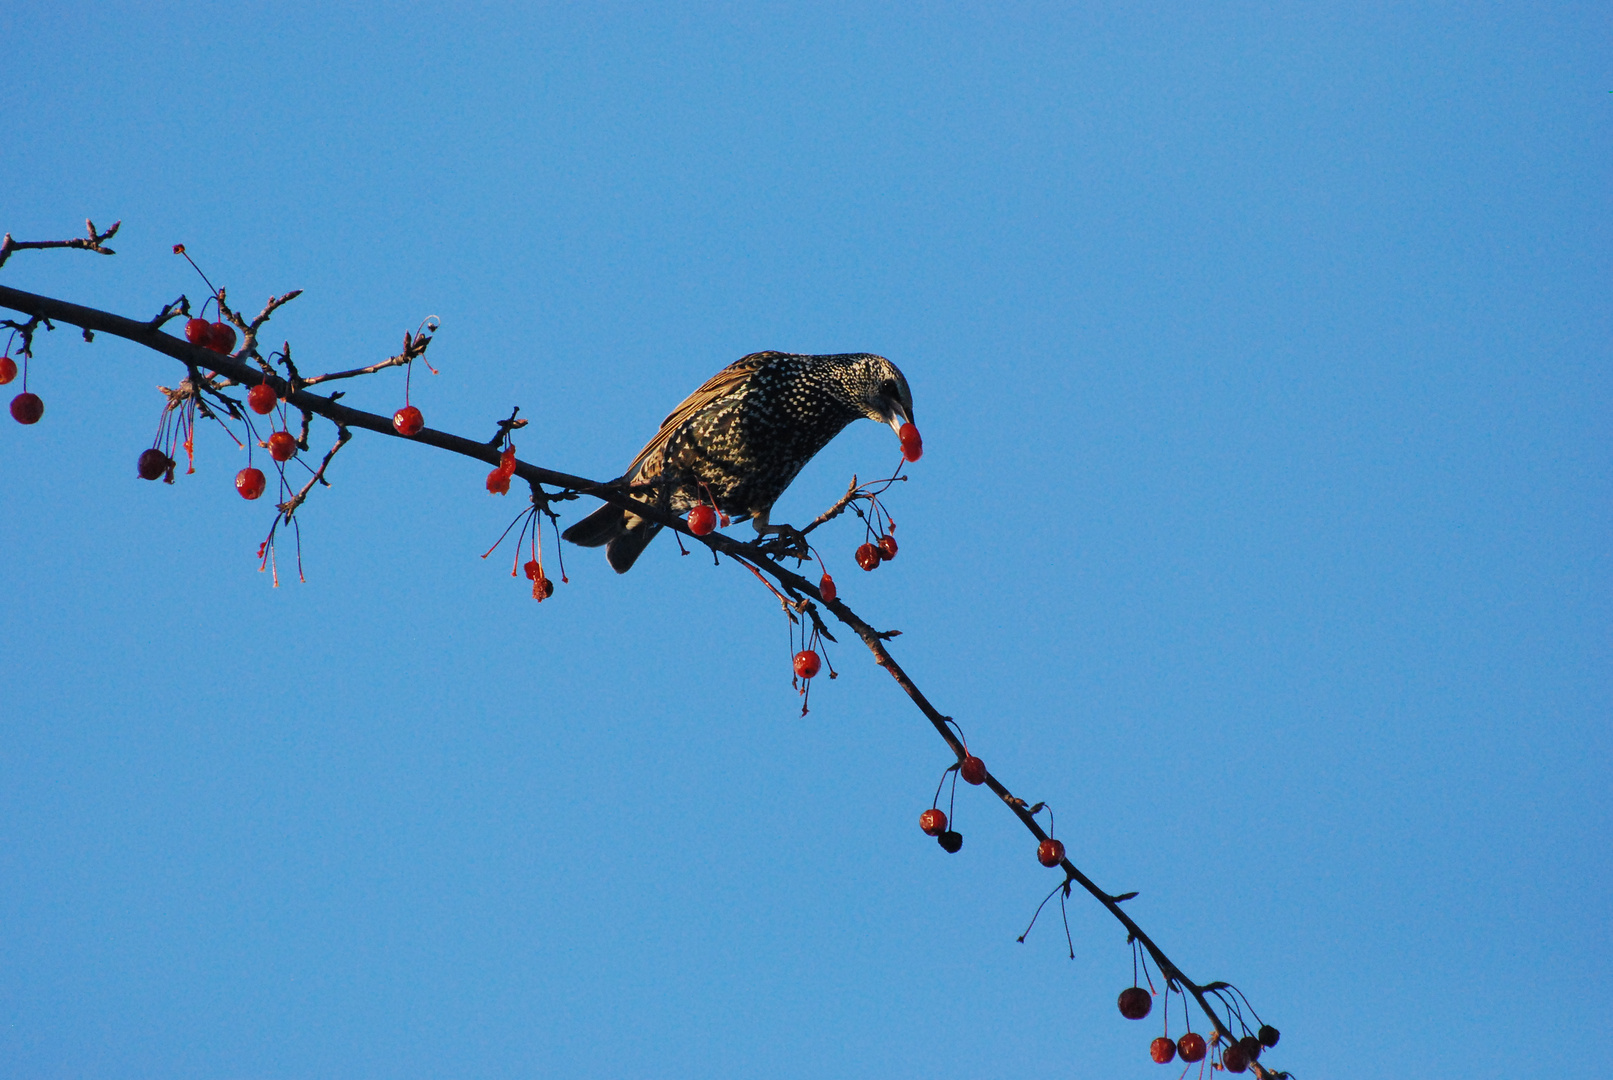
(741, 439)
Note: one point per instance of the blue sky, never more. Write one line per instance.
(1262, 358)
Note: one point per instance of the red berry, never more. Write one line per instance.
(1192, 1047)
(933, 822)
(973, 770)
(506, 460)
(1135, 1003)
(1268, 1035)
(912, 445)
(261, 398)
(702, 519)
(868, 556)
(887, 548)
(1162, 1050)
(1050, 852)
(198, 332)
(1251, 1047)
(8, 369)
(221, 338)
(950, 842)
(250, 483)
(542, 589)
(153, 463)
(498, 482)
(282, 446)
(408, 421)
(826, 589)
(534, 570)
(807, 663)
(26, 408)
(1233, 1059)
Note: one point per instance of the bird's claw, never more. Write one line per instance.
(783, 542)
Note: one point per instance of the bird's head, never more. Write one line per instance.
(883, 393)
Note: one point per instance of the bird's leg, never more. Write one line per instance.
(787, 542)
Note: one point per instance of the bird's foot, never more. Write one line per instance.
(782, 542)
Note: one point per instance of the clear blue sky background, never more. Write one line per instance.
(1262, 355)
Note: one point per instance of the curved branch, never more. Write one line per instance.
(750, 554)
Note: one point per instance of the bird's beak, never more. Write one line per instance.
(897, 418)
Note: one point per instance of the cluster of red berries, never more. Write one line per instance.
(933, 821)
(498, 481)
(870, 555)
(1136, 1003)
(216, 337)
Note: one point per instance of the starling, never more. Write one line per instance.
(740, 439)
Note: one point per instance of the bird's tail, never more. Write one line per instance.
(623, 536)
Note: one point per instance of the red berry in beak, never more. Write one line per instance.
(261, 399)
(8, 369)
(973, 770)
(153, 463)
(198, 332)
(912, 445)
(1162, 1050)
(1050, 852)
(26, 408)
(1191, 1047)
(868, 556)
(408, 421)
(250, 483)
(1135, 1003)
(221, 338)
(702, 519)
(826, 589)
(282, 446)
(933, 822)
(807, 663)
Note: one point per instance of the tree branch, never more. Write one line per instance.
(757, 560)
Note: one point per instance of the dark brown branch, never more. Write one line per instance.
(414, 347)
(836, 510)
(760, 562)
(290, 506)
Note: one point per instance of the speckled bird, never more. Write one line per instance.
(744, 436)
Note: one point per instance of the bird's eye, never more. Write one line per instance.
(888, 388)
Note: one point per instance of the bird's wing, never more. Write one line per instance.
(720, 385)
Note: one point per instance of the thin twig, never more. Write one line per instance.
(95, 241)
